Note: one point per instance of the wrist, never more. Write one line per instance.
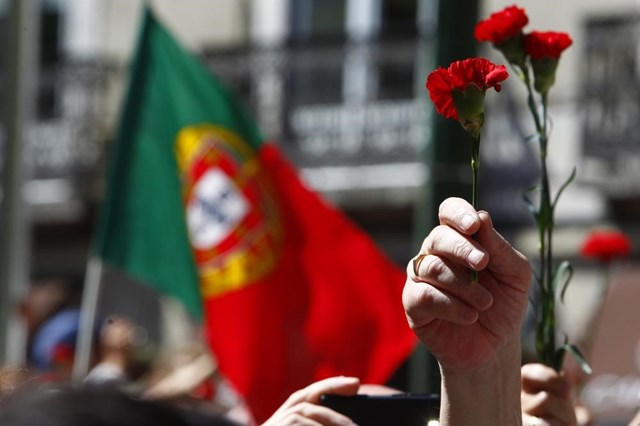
(487, 394)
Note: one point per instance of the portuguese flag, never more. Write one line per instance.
(289, 291)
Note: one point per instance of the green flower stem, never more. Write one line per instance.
(550, 335)
(531, 101)
(475, 165)
(545, 334)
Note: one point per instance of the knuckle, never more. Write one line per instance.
(544, 398)
(426, 296)
(409, 267)
(434, 266)
(533, 370)
(434, 239)
(297, 396)
(460, 249)
(410, 303)
(442, 213)
(418, 302)
(295, 419)
(306, 409)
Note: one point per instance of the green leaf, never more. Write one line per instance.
(564, 185)
(543, 291)
(577, 355)
(534, 137)
(562, 277)
(532, 208)
(545, 217)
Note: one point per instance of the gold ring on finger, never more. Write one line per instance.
(416, 261)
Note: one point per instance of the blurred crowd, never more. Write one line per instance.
(122, 370)
(472, 328)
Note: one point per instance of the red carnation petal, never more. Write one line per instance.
(501, 26)
(439, 86)
(606, 245)
(495, 76)
(478, 71)
(546, 45)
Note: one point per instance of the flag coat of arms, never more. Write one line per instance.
(200, 208)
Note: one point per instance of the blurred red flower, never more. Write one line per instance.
(479, 72)
(606, 245)
(546, 45)
(501, 26)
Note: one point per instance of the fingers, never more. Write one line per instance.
(333, 385)
(308, 414)
(439, 283)
(446, 242)
(462, 221)
(584, 417)
(460, 215)
(528, 420)
(373, 389)
(451, 280)
(549, 407)
(538, 377)
(424, 303)
(301, 407)
(506, 262)
(545, 394)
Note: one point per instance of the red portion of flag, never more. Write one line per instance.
(331, 306)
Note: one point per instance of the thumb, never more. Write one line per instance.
(338, 385)
(505, 260)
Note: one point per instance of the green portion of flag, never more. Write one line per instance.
(142, 228)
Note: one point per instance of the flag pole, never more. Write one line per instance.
(81, 44)
(14, 220)
(88, 314)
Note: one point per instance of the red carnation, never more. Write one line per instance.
(546, 45)
(502, 26)
(479, 73)
(545, 48)
(606, 245)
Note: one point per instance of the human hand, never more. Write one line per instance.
(636, 420)
(545, 397)
(302, 407)
(465, 325)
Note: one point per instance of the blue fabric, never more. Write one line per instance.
(60, 329)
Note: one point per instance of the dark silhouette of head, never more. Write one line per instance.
(90, 407)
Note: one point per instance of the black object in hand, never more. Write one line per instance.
(386, 410)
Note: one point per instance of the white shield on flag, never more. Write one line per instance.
(215, 209)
